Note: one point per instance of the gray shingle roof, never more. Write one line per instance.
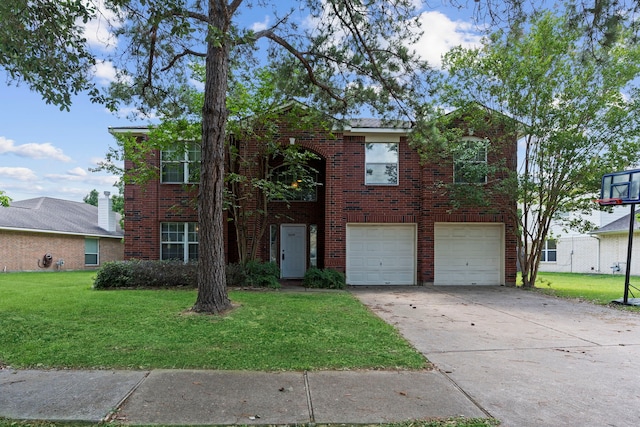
(378, 123)
(619, 225)
(46, 214)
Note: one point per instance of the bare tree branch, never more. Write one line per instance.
(181, 55)
(194, 15)
(233, 6)
(305, 63)
(152, 49)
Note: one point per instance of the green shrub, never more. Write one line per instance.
(146, 274)
(167, 274)
(236, 275)
(253, 274)
(325, 279)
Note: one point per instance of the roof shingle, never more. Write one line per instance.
(46, 214)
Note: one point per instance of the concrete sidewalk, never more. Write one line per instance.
(237, 397)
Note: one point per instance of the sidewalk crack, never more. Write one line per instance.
(312, 417)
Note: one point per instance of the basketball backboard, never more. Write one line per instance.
(620, 188)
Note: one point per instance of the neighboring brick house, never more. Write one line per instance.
(51, 234)
(377, 214)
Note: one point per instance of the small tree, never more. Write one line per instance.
(4, 199)
(258, 113)
(579, 110)
(92, 198)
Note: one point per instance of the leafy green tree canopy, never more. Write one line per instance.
(578, 109)
(42, 44)
(4, 199)
(92, 198)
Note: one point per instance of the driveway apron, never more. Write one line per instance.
(526, 359)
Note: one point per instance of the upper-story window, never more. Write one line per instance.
(470, 165)
(297, 184)
(381, 163)
(180, 166)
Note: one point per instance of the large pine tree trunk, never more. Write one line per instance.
(212, 287)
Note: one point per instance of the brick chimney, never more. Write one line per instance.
(106, 215)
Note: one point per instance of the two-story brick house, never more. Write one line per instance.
(377, 214)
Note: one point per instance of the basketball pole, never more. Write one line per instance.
(632, 221)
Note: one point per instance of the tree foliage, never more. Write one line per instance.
(4, 199)
(579, 112)
(599, 21)
(42, 44)
(255, 152)
(92, 198)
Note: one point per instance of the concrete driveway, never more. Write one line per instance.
(524, 358)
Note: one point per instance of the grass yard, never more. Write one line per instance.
(598, 288)
(55, 320)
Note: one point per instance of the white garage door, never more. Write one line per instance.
(469, 254)
(381, 254)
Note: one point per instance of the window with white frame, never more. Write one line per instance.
(549, 251)
(179, 240)
(381, 163)
(470, 165)
(91, 251)
(180, 166)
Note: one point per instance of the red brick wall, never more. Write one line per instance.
(343, 198)
(146, 207)
(20, 251)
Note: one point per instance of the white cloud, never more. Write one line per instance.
(261, 26)
(105, 72)
(33, 150)
(77, 171)
(441, 34)
(72, 176)
(98, 31)
(20, 174)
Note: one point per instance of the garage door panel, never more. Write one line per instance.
(469, 254)
(388, 252)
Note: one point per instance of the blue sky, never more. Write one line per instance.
(48, 152)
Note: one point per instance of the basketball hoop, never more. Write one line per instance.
(608, 202)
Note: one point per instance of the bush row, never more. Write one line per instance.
(175, 274)
(146, 274)
(326, 279)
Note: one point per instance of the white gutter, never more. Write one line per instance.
(69, 233)
(135, 130)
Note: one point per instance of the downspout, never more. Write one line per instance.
(597, 253)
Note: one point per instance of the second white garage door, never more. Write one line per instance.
(381, 254)
(469, 254)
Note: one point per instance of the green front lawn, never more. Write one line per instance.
(55, 319)
(598, 288)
